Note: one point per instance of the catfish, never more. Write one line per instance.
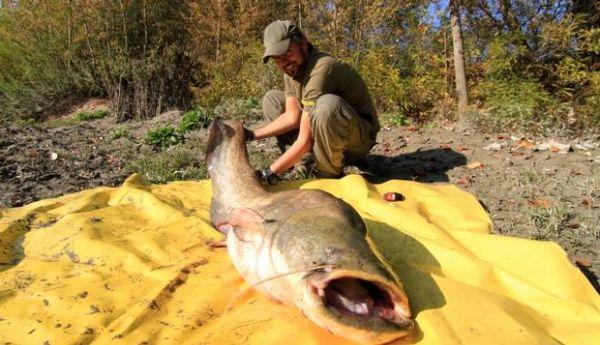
(304, 248)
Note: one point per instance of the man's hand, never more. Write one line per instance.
(302, 145)
(266, 176)
(249, 134)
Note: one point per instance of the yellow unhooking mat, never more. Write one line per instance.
(130, 265)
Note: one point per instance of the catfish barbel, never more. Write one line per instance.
(335, 280)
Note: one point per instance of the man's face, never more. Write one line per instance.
(292, 61)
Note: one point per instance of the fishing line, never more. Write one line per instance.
(228, 306)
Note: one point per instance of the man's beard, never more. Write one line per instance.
(298, 73)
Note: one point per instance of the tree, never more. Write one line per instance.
(459, 62)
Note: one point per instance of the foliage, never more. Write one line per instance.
(91, 115)
(239, 75)
(39, 73)
(164, 136)
(172, 165)
(528, 62)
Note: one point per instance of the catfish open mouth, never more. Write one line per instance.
(359, 298)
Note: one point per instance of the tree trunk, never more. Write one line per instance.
(459, 62)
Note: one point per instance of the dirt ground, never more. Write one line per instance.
(529, 189)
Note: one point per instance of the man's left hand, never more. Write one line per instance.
(249, 134)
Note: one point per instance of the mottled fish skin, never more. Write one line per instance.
(269, 234)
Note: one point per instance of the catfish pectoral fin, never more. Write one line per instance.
(248, 225)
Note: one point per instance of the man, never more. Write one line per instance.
(326, 106)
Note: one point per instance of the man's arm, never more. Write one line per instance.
(288, 121)
(301, 146)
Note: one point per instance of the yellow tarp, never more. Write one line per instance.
(130, 265)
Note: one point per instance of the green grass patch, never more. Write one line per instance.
(395, 119)
(91, 115)
(119, 133)
(26, 121)
(59, 123)
(172, 165)
(548, 223)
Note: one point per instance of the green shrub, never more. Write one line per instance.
(195, 119)
(91, 115)
(163, 137)
(172, 165)
(409, 86)
(512, 103)
(119, 133)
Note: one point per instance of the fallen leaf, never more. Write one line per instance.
(461, 148)
(554, 149)
(539, 202)
(445, 146)
(526, 144)
(475, 165)
(583, 262)
(574, 225)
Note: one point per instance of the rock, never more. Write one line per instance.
(495, 146)
(553, 146)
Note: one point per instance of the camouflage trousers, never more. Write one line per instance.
(339, 133)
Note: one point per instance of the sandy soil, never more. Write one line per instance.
(530, 193)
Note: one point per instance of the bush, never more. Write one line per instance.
(162, 137)
(237, 81)
(40, 72)
(512, 103)
(195, 119)
(406, 89)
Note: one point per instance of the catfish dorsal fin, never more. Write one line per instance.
(248, 225)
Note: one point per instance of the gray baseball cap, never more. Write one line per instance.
(277, 38)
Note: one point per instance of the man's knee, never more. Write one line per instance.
(328, 104)
(328, 112)
(273, 104)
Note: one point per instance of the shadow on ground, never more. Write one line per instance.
(421, 165)
(414, 265)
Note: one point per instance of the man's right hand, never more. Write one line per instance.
(266, 176)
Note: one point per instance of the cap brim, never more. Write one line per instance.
(276, 49)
